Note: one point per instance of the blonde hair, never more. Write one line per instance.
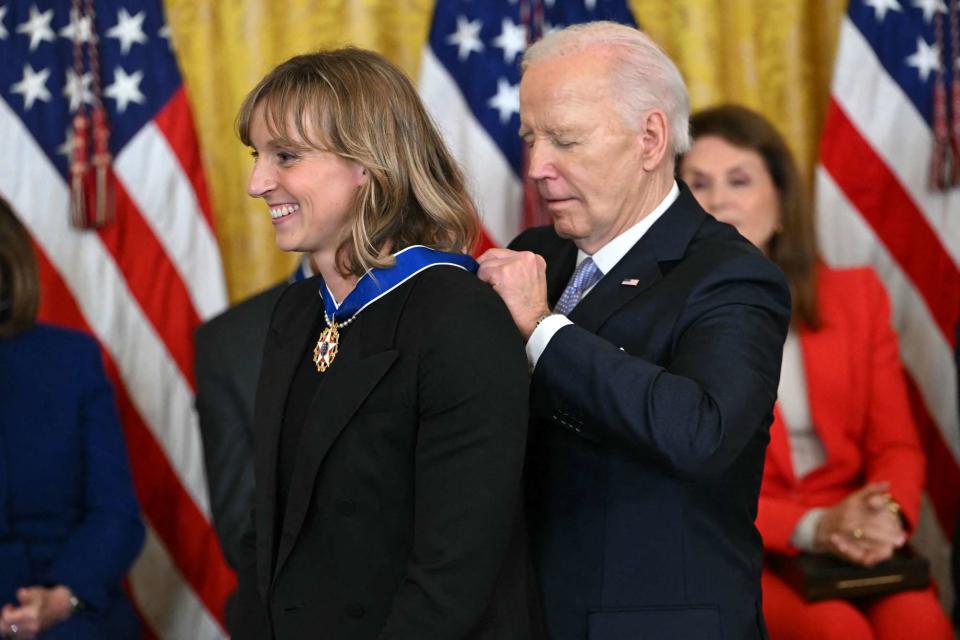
(643, 76)
(358, 105)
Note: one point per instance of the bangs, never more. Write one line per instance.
(296, 113)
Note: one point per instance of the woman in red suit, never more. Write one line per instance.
(844, 469)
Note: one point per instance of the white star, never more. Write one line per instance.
(38, 26)
(512, 39)
(128, 30)
(79, 29)
(164, 33)
(930, 7)
(33, 87)
(3, 28)
(125, 89)
(507, 100)
(880, 7)
(77, 89)
(549, 3)
(590, 4)
(466, 37)
(69, 142)
(925, 59)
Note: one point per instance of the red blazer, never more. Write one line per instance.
(859, 406)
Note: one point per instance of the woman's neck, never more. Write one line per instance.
(339, 285)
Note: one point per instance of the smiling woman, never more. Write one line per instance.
(391, 413)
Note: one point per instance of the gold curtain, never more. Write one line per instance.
(772, 55)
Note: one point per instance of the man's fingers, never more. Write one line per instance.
(495, 253)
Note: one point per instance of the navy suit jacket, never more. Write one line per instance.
(228, 351)
(650, 418)
(68, 514)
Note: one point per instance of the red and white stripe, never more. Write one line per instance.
(874, 207)
(491, 181)
(141, 286)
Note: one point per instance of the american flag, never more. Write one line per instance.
(141, 283)
(470, 82)
(876, 204)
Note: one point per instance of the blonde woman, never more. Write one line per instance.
(390, 418)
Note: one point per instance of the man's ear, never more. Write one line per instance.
(653, 136)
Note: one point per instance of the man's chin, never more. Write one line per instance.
(563, 229)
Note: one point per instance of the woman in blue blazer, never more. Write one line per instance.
(69, 522)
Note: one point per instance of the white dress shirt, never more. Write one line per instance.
(806, 449)
(605, 258)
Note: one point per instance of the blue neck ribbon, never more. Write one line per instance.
(376, 283)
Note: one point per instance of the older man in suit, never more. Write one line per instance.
(652, 396)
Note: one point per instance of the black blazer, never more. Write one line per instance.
(650, 421)
(404, 518)
(227, 365)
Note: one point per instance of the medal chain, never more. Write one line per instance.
(330, 337)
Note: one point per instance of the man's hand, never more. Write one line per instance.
(860, 529)
(520, 278)
(40, 608)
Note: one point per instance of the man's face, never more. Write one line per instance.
(584, 159)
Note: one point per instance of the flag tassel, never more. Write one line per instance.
(101, 162)
(79, 168)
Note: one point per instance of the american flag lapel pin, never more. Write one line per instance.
(630, 282)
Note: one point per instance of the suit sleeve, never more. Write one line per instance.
(714, 390)
(225, 430)
(99, 552)
(892, 450)
(473, 395)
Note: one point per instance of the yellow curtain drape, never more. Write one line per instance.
(772, 55)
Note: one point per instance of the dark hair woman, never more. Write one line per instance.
(69, 526)
(844, 469)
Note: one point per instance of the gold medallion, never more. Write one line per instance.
(326, 349)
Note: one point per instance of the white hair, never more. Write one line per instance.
(642, 76)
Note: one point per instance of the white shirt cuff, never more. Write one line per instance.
(804, 534)
(541, 336)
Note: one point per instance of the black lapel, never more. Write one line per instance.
(350, 382)
(640, 267)
(286, 341)
(559, 269)
(351, 378)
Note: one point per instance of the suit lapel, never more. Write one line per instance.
(559, 269)
(349, 383)
(640, 267)
(286, 342)
(610, 294)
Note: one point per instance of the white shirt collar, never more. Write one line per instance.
(611, 253)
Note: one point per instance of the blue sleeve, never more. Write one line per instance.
(697, 408)
(100, 551)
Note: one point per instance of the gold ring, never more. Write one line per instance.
(893, 507)
(857, 533)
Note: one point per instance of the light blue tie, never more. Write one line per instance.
(585, 276)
